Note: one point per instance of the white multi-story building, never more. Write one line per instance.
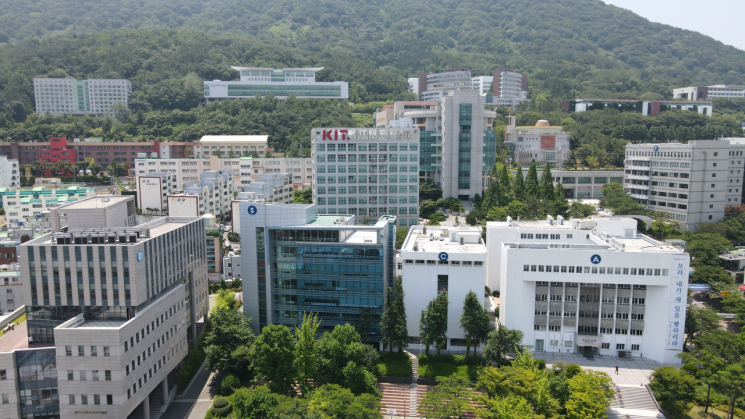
(269, 188)
(457, 145)
(435, 260)
(692, 182)
(94, 97)
(11, 288)
(508, 84)
(589, 286)
(10, 173)
(542, 143)
(110, 335)
(231, 146)
(153, 190)
(367, 172)
(280, 83)
(27, 204)
(583, 184)
(433, 86)
(211, 195)
(245, 169)
(708, 92)
(231, 266)
(482, 84)
(414, 85)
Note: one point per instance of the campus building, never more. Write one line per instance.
(595, 286)
(295, 261)
(645, 107)
(508, 88)
(211, 195)
(708, 92)
(367, 172)
(153, 191)
(692, 182)
(231, 146)
(10, 173)
(94, 97)
(583, 184)
(112, 306)
(457, 147)
(542, 143)
(245, 169)
(27, 204)
(275, 188)
(280, 83)
(482, 84)
(11, 288)
(435, 260)
(433, 86)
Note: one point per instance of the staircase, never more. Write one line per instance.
(632, 402)
(402, 397)
(156, 402)
(413, 387)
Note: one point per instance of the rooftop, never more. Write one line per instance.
(451, 240)
(278, 69)
(327, 220)
(234, 139)
(98, 202)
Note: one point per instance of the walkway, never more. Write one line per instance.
(197, 400)
(401, 400)
(631, 371)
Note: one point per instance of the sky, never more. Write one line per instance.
(719, 19)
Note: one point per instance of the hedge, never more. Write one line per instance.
(221, 407)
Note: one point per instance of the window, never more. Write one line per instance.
(636, 332)
(96, 399)
(84, 399)
(620, 346)
(605, 345)
(82, 375)
(71, 399)
(3, 375)
(106, 351)
(634, 347)
(107, 375)
(110, 399)
(81, 350)
(68, 350)
(94, 351)
(70, 376)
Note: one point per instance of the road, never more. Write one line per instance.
(197, 400)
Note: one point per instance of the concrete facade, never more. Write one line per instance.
(542, 143)
(94, 97)
(280, 83)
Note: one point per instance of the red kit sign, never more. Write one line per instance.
(335, 135)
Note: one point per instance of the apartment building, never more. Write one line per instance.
(692, 182)
(367, 172)
(542, 143)
(436, 260)
(296, 261)
(708, 92)
(94, 97)
(279, 83)
(211, 195)
(109, 334)
(594, 287)
(27, 204)
(457, 147)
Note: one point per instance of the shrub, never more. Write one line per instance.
(229, 383)
(573, 369)
(221, 407)
(541, 364)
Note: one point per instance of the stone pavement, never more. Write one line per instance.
(631, 371)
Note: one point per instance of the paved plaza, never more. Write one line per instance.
(631, 371)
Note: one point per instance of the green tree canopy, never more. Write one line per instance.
(274, 358)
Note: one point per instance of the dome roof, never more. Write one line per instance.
(542, 123)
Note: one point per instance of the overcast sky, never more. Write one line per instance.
(719, 19)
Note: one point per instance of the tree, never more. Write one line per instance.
(474, 321)
(706, 248)
(450, 399)
(674, 389)
(433, 323)
(501, 342)
(225, 301)
(509, 407)
(616, 199)
(504, 181)
(302, 196)
(393, 324)
(699, 321)
(363, 324)
(306, 351)
(707, 366)
(273, 358)
(715, 276)
(730, 381)
(255, 403)
(344, 360)
(547, 184)
(228, 342)
(333, 401)
(532, 187)
(428, 190)
(518, 185)
(591, 393)
(427, 208)
(401, 233)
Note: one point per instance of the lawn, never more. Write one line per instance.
(434, 366)
(393, 364)
(698, 413)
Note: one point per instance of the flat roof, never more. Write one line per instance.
(327, 220)
(314, 69)
(102, 201)
(424, 244)
(234, 139)
(363, 237)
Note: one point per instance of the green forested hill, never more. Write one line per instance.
(568, 46)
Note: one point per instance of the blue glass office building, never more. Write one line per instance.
(297, 262)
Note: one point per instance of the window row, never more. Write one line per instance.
(153, 325)
(366, 147)
(363, 168)
(93, 351)
(96, 399)
(444, 262)
(530, 236)
(601, 270)
(83, 376)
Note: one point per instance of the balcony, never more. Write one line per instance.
(639, 196)
(633, 167)
(638, 177)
